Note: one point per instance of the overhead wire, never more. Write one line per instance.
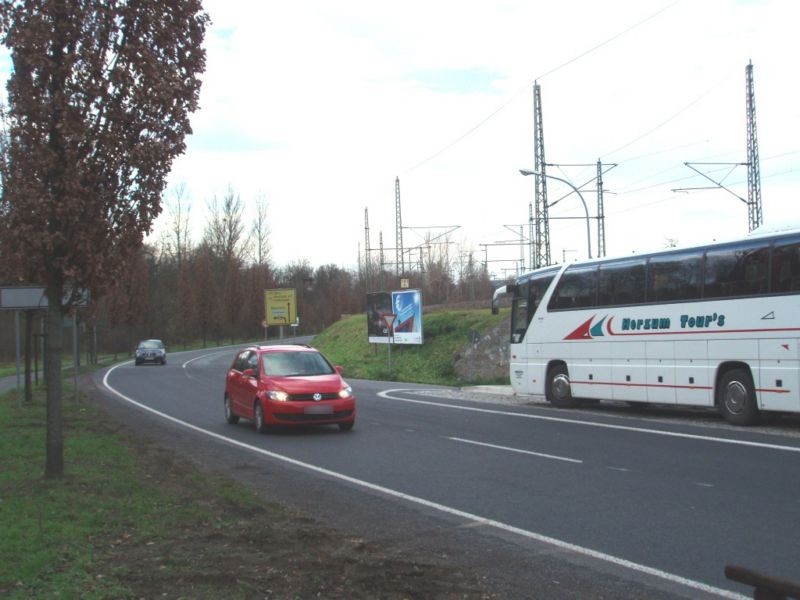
(521, 90)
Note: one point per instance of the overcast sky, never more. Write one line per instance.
(318, 106)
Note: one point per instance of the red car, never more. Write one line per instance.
(287, 385)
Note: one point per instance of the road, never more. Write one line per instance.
(575, 500)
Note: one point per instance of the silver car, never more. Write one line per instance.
(152, 351)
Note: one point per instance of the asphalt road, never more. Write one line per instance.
(578, 503)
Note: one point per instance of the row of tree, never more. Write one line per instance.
(99, 100)
(212, 291)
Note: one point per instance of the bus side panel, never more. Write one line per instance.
(527, 368)
(777, 386)
(694, 376)
(629, 371)
(661, 372)
(590, 370)
(518, 363)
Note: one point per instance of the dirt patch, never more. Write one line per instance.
(256, 548)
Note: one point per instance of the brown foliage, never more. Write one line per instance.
(98, 108)
(99, 105)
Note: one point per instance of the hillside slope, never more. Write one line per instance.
(461, 347)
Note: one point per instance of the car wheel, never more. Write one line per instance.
(230, 417)
(346, 426)
(258, 411)
(557, 390)
(163, 361)
(138, 363)
(736, 398)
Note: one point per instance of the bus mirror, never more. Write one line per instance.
(496, 298)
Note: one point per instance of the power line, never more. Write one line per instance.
(521, 90)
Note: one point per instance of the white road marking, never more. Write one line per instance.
(520, 451)
(191, 360)
(620, 469)
(386, 394)
(475, 519)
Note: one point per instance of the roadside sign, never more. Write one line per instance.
(280, 306)
(389, 320)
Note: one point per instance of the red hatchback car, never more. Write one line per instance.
(287, 385)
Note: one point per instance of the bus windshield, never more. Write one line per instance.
(528, 295)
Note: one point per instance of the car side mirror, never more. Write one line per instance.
(249, 373)
(339, 369)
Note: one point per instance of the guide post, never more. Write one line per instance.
(389, 320)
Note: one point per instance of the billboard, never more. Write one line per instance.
(378, 304)
(406, 305)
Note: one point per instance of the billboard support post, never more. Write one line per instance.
(389, 320)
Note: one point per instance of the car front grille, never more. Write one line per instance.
(301, 418)
(307, 397)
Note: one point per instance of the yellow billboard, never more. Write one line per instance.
(280, 306)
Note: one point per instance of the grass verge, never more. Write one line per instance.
(133, 520)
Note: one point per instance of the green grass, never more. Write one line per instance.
(446, 333)
(60, 535)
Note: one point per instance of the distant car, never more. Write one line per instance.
(287, 385)
(152, 351)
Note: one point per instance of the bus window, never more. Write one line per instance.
(739, 270)
(621, 282)
(675, 276)
(786, 267)
(575, 289)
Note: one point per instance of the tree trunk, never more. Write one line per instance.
(54, 466)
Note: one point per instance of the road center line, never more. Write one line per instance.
(691, 436)
(520, 451)
(476, 519)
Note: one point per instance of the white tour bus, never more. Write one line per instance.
(716, 325)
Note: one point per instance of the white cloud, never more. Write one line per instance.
(320, 105)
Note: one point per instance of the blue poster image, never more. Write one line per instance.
(407, 306)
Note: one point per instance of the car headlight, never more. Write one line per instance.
(346, 392)
(278, 395)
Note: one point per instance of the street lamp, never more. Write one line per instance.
(577, 191)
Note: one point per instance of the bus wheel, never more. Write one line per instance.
(558, 391)
(736, 398)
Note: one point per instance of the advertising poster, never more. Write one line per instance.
(378, 304)
(407, 305)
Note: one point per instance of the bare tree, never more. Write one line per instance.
(225, 228)
(178, 209)
(259, 232)
(98, 104)
(205, 294)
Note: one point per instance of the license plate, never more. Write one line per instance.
(316, 409)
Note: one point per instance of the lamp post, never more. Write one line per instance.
(577, 191)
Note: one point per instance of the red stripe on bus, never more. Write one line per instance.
(705, 331)
(676, 387)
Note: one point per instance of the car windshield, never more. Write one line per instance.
(289, 364)
(151, 344)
